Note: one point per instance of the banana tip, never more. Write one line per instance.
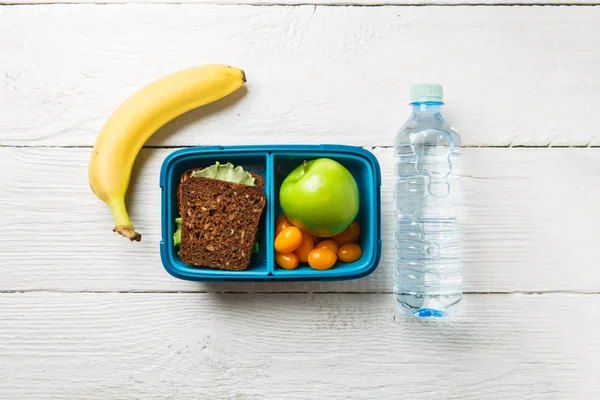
(244, 76)
(128, 232)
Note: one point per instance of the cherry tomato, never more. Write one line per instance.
(286, 260)
(281, 226)
(348, 235)
(321, 259)
(349, 252)
(281, 219)
(306, 246)
(328, 244)
(288, 240)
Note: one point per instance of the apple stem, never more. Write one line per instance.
(304, 165)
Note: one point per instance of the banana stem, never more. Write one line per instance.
(123, 225)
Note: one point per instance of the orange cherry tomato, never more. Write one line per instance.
(328, 244)
(288, 240)
(286, 260)
(321, 259)
(306, 246)
(281, 226)
(282, 218)
(348, 235)
(349, 252)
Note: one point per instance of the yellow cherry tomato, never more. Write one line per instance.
(349, 252)
(348, 235)
(281, 226)
(286, 260)
(321, 259)
(282, 218)
(288, 240)
(306, 246)
(328, 244)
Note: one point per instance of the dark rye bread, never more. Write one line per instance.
(219, 222)
(259, 181)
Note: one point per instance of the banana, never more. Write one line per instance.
(136, 120)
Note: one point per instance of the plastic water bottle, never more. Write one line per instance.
(427, 200)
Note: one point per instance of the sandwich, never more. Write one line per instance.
(220, 208)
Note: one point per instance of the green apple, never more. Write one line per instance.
(320, 197)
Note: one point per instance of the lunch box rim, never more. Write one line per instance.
(249, 150)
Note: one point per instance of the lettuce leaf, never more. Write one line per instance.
(226, 173)
(177, 234)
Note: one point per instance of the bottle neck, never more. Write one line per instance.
(434, 107)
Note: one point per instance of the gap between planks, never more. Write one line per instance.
(509, 146)
(46, 291)
(301, 4)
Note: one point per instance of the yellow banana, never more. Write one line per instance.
(134, 121)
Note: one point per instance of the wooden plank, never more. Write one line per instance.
(530, 223)
(513, 75)
(300, 346)
(316, 2)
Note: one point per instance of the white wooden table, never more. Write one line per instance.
(84, 314)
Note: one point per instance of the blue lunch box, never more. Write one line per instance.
(274, 163)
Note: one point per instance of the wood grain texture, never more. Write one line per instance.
(513, 75)
(301, 346)
(530, 223)
(313, 2)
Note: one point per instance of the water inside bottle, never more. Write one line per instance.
(427, 236)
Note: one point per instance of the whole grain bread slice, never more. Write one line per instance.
(219, 221)
(259, 181)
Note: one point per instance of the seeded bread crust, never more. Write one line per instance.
(219, 221)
